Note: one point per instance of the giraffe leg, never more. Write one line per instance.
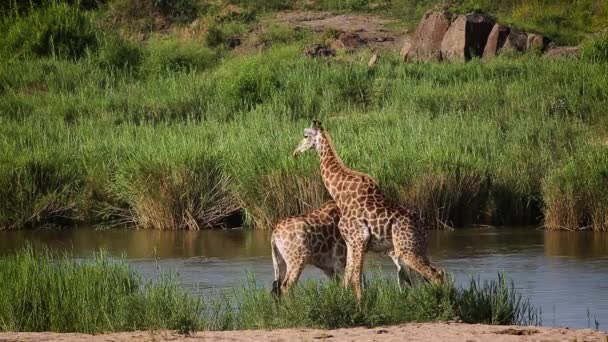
(294, 269)
(357, 237)
(279, 266)
(402, 275)
(354, 268)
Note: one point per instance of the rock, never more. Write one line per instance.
(429, 35)
(348, 41)
(372, 61)
(454, 41)
(536, 42)
(406, 50)
(516, 41)
(496, 41)
(466, 38)
(318, 50)
(563, 52)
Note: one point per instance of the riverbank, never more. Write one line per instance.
(126, 123)
(421, 332)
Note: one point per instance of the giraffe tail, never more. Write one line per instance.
(277, 260)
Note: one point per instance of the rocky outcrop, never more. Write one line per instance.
(536, 42)
(442, 36)
(496, 40)
(466, 38)
(516, 41)
(454, 42)
(563, 52)
(426, 45)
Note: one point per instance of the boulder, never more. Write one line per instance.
(496, 41)
(516, 41)
(429, 35)
(536, 42)
(563, 52)
(454, 41)
(466, 38)
(406, 50)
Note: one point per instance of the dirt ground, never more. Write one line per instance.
(375, 31)
(408, 332)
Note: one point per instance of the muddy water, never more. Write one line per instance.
(566, 273)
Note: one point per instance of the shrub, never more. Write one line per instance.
(58, 30)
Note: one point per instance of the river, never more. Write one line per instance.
(565, 273)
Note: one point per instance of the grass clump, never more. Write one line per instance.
(575, 194)
(57, 30)
(596, 49)
(117, 53)
(191, 195)
(170, 55)
(329, 306)
(51, 292)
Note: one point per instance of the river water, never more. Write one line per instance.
(565, 273)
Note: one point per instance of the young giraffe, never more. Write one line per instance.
(368, 222)
(312, 239)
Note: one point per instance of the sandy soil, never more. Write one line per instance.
(407, 332)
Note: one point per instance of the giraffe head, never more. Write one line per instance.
(311, 139)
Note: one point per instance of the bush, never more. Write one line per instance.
(58, 30)
(173, 55)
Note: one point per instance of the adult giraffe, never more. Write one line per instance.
(368, 222)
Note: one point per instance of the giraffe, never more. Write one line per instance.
(368, 222)
(312, 239)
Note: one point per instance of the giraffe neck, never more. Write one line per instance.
(332, 167)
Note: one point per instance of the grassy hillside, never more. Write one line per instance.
(140, 113)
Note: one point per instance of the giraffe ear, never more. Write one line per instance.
(316, 124)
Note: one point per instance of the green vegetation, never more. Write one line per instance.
(140, 116)
(328, 305)
(50, 292)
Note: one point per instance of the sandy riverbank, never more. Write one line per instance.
(410, 332)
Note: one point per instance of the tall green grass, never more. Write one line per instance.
(465, 143)
(173, 133)
(43, 291)
(50, 292)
